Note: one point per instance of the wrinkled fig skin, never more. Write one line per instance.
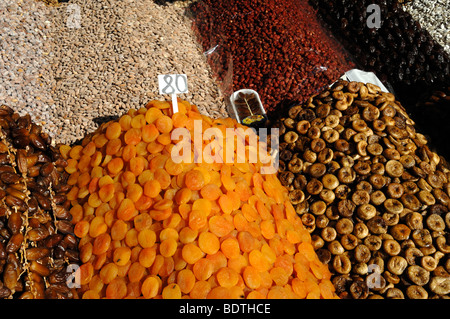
(36, 233)
(370, 191)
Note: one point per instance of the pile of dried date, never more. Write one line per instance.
(36, 234)
(373, 195)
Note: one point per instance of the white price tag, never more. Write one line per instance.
(173, 84)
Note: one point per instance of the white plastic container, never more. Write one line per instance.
(237, 114)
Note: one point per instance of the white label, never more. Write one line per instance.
(172, 83)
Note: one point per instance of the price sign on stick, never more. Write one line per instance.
(173, 84)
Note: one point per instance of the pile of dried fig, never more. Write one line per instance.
(373, 195)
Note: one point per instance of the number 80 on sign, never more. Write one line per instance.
(172, 83)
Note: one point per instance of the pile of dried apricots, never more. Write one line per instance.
(150, 226)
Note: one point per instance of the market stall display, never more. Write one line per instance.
(278, 48)
(153, 227)
(110, 190)
(373, 195)
(70, 64)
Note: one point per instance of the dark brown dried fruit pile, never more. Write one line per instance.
(36, 234)
(377, 198)
(401, 53)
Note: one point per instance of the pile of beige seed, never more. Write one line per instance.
(69, 64)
